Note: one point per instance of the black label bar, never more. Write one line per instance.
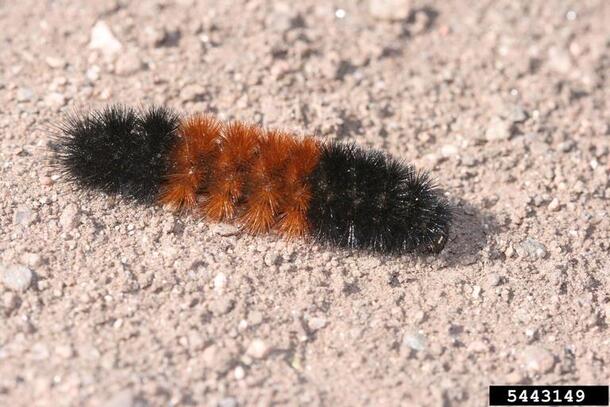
(548, 395)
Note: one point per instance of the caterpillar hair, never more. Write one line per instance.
(338, 194)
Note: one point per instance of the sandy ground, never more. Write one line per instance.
(106, 303)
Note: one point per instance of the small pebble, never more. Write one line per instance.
(340, 13)
(514, 378)
(469, 161)
(93, 73)
(224, 229)
(566, 146)
(55, 99)
(258, 349)
(421, 24)
(534, 248)
(64, 351)
(316, 323)
(476, 292)
(24, 94)
(70, 217)
(227, 402)
(273, 259)
(17, 277)
(209, 354)
(220, 281)
(477, 346)
(531, 334)
(24, 216)
(255, 318)
(152, 36)
(10, 300)
(536, 359)
(497, 129)
(554, 205)
(31, 259)
(239, 373)
(218, 359)
(607, 313)
(192, 93)
(517, 114)
(128, 64)
(449, 150)
(222, 306)
(103, 39)
(493, 280)
(559, 60)
(390, 9)
(123, 398)
(414, 340)
(55, 63)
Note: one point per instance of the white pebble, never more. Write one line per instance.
(24, 94)
(477, 346)
(255, 318)
(239, 373)
(534, 248)
(31, 259)
(476, 291)
(258, 349)
(70, 217)
(316, 323)
(497, 129)
(103, 39)
(449, 150)
(224, 229)
(390, 9)
(220, 281)
(93, 73)
(17, 278)
(537, 359)
(559, 60)
(123, 398)
(414, 340)
(493, 280)
(340, 13)
(55, 99)
(554, 205)
(227, 402)
(55, 63)
(24, 216)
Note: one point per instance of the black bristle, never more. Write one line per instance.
(119, 149)
(367, 200)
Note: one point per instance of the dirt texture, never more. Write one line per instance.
(107, 303)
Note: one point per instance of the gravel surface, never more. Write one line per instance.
(106, 303)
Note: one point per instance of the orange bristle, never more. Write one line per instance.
(266, 182)
(294, 224)
(239, 146)
(192, 159)
(297, 192)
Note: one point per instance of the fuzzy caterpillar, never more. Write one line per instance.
(339, 194)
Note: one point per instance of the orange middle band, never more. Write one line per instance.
(245, 173)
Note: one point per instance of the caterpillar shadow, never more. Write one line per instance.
(471, 233)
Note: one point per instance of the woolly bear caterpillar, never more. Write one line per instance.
(339, 194)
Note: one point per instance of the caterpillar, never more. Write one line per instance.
(266, 180)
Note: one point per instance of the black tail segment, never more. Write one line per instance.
(367, 200)
(119, 149)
